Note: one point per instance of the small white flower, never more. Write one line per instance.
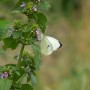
(38, 0)
(38, 33)
(34, 8)
(23, 5)
(10, 31)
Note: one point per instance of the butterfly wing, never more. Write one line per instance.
(54, 42)
(46, 46)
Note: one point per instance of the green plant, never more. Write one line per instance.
(22, 76)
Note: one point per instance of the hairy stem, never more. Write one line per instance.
(20, 55)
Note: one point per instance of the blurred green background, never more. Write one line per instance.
(69, 67)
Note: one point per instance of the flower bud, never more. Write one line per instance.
(34, 8)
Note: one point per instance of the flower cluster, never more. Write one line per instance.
(4, 75)
(29, 6)
(38, 34)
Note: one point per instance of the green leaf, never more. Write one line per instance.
(3, 33)
(24, 79)
(42, 21)
(17, 34)
(4, 27)
(26, 87)
(33, 79)
(4, 23)
(5, 84)
(17, 75)
(43, 5)
(19, 3)
(16, 12)
(10, 43)
(37, 57)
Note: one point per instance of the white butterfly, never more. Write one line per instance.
(49, 44)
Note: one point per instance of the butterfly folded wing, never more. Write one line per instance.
(46, 46)
(54, 42)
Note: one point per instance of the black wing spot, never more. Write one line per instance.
(60, 44)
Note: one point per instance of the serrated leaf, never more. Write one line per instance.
(37, 57)
(10, 43)
(26, 87)
(42, 21)
(5, 84)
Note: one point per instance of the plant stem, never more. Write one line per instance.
(21, 78)
(20, 55)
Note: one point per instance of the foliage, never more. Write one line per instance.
(4, 26)
(22, 76)
(5, 84)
